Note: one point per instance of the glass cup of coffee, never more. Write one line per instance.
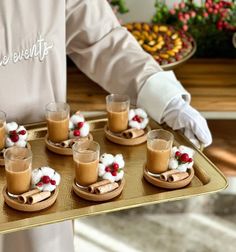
(57, 116)
(18, 166)
(86, 159)
(117, 112)
(159, 144)
(2, 129)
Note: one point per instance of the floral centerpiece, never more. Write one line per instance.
(212, 24)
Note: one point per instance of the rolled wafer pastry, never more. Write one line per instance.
(67, 143)
(132, 133)
(92, 187)
(164, 176)
(106, 188)
(24, 196)
(38, 197)
(178, 176)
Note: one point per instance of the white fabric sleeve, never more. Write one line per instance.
(158, 91)
(105, 51)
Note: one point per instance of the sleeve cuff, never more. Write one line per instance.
(157, 93)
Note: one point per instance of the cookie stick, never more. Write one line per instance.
(178, 176)
(38, 197)
(106, 188)
(24, 196)
(164, 176)
(92, 187)
(132, 133)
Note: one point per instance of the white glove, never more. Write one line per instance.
(165, 100)
(180, 115)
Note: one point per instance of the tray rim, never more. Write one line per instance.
(111, 206)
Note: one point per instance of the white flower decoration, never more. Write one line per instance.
(78, 126)
(111, 167)
(16, 135)
(45, 179)
(181, 158)
(138, 118)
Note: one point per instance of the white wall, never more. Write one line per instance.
(140, 10)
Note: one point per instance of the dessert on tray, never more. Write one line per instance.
(110, 181)
(41, 194)
(180, 169)
(125, 126)
(78, 129)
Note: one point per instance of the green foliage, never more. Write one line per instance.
(121, 4)
(212, 25)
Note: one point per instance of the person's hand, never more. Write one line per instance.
(180, 115)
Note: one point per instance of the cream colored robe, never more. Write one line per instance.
(35, 36)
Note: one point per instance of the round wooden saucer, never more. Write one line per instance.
(83, 193)
(115, 138)
(169, 185)
(14, 203)
(63, 151)
(2, 163)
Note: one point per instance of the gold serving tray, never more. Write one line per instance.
(137, 191)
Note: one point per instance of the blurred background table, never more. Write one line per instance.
(211, 82)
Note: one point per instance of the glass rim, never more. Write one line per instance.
(81, 142)
(126, 97)
(67, 106)
(3, 113)
(160, 130)
(17, 147)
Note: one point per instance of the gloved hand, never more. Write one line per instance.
(180, 115)
(166, 100)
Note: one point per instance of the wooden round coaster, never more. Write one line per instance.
(14, 203)
(168, 185)
(115, 138)
(2, 163)
(61, 150)
(83, 193)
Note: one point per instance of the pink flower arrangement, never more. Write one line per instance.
(218, 11)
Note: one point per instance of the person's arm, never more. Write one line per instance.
(110, 56)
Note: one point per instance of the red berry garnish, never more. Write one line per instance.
(39, 184)
(184, 158)
(190, 160)
(76, 132)
(137, 119)
(45, 179)
(53, 182)
(14, 138)
(22, 132)
(115, 167)
(13, 132)
(114, 173)
(80, 125)
(108, 169)
(177, 153)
